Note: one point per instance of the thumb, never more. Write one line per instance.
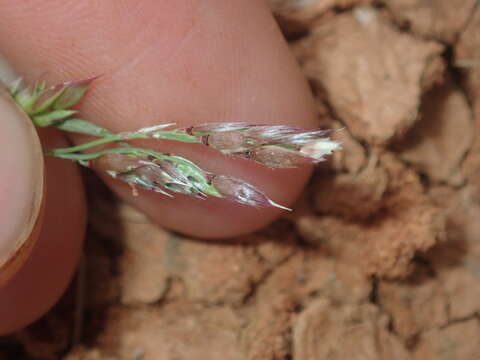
(188, 62)
(40, 240)
(21, 187)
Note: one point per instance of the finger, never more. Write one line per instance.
(187, 62)
(40, 232)
(43, 278)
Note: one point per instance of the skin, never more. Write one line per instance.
(186, 61)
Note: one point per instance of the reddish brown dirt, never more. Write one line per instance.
(380, 260)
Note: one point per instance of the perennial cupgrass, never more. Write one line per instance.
(277, 146)
(274, 146)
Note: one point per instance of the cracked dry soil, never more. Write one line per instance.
(380, 260)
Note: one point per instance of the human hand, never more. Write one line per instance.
(188, 62)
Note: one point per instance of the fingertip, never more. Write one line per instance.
(44, 276)
(184, 62)
(21, 186)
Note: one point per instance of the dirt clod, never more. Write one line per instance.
(362, 62)
(437, 144)
(441, 20)
(362, 330)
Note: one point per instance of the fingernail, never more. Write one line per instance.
(21, 186)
